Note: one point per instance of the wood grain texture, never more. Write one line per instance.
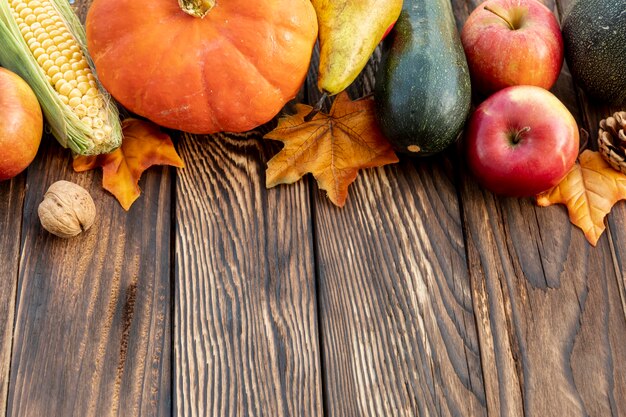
(93, 312)
(11, 205)
(591, 113)
(549, 307)
(246, 329)
(398, 330)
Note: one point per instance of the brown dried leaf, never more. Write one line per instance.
(589, 191)
(144, 145)
(332, 147)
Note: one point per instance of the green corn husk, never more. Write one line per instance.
(65, 125)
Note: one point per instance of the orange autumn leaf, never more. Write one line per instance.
(144, 145)
(332, 147)
(589, 191)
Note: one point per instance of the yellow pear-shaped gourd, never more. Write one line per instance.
(349, 31)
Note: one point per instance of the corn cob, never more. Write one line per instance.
(44, 42)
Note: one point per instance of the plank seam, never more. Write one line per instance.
(620, 287)
(466, 243)
(173, 195)
(318, 301)
(15, 297)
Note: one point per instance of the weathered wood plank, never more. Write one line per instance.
(93, 312)
(245, 312)
(548, 305)
(591, 113)
(11, 205)
(398, 330)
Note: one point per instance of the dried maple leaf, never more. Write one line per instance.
(144, 145)
(589, 191)
(333, 147)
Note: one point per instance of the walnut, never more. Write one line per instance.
(67, 209)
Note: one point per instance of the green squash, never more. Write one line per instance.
(594, 33)
(423, 92)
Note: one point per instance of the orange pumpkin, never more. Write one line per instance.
(202, 66)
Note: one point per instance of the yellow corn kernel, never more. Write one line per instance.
(97, 123)
(47, 64)
(92, 111)
(68, 74)
(87, 100)
(38, 52)
(25, 12)
(99, 135)
(74, 102)
(80, 109)
(42, 16)
(56, 77)
(82, 86)
(46, 42)
(74, 93)
(43, 58)
(45, 20)
(18, 7)
(77, 66)
(86, 121)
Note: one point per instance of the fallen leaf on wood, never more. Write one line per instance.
(144, 145)
(589, 191)
(332, 147)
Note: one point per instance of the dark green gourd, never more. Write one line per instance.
(423, 92)
(594, 33)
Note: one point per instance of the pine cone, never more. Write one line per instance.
(612, 140)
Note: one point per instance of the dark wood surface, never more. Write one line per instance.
(424, 296)
(245, 328)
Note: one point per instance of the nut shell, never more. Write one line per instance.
(66, 210)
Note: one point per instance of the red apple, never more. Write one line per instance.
(21, 124)
(512, 42)
(521, 141)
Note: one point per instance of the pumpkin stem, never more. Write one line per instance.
(196, 8)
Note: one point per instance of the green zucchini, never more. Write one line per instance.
(423, 91)
(594, 34)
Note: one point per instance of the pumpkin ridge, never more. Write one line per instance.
(294, 30)
(252, 64)
(205, 88)
(147, 87)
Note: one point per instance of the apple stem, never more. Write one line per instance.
(500, 15)
(518, 135)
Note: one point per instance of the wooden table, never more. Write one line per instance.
(212, 296)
